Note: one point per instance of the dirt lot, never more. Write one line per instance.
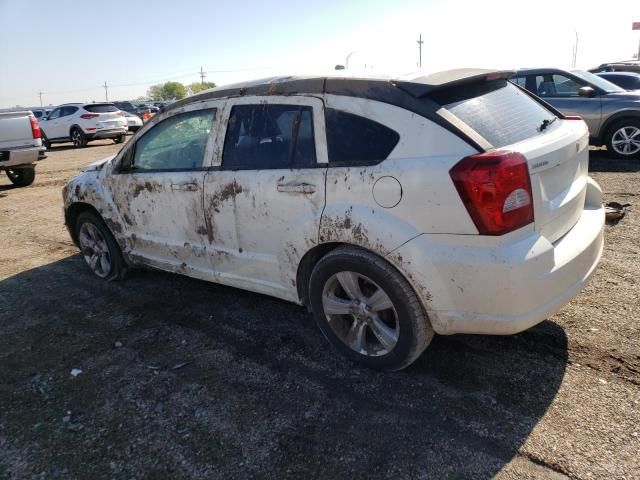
(264, 396)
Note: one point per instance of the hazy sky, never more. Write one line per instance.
(69, 48)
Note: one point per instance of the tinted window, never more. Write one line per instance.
(66, 111)
(37, 114)
(177, 143)
(521, 81)
(497, 110)
(355, 139)
(269, 136)
(101, 108)
(597, 81)
(624, 81)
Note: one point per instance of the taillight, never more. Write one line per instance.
(572, 117)
(120, 113)
(35, 127)
(89, 115)
(496, 189)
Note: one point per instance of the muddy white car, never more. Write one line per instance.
(453, 203)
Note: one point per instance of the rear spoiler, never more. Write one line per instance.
(423, 86)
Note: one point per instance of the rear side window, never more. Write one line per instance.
(269, 137)
(496, 110)
(352, 139)
(66, 111)
(101, 108)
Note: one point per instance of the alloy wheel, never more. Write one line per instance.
(626, 140)
(360, 313)
(95, 249)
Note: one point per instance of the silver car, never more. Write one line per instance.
(611, 113)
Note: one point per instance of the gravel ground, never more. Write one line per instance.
(185, 379)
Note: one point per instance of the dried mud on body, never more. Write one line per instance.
(186, 379)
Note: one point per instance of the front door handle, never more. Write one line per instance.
(296, 187)
(185, 187)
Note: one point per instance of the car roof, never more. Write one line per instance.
(534, 71)
(620, 74)
(379, 88)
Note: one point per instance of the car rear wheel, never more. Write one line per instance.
(120, 138)
(22, 177)
(367, 310)
(78, 138)
(45, 141)
(624, 138)
(98, 247)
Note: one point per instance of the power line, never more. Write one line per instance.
(202, 75)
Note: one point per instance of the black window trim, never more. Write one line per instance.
(130, 153)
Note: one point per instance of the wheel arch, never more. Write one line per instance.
(71, 214)
(613, 119)
(311, 258)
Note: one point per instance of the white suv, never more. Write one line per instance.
(454, 203)
(83, 122)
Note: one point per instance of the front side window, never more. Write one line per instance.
(177, 143)
(269, 137)
(55, 114)
(520, 81)
(352, 139)
(557, 85)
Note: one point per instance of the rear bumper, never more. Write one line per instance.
(504, 289)
(107, 133)
(20, 156)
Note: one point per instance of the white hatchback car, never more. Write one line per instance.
(453, 203)
(83, 122)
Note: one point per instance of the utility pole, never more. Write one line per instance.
(106, 92)
(575, 50)
(420, 42)
(40, 93)
(202, 75)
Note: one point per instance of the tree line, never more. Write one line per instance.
(176, 90)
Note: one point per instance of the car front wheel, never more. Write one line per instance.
(98, 247)
(367, 309)
(624, 139)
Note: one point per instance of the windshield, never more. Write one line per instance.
(599, 82)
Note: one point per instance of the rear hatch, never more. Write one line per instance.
(556, 149)
(108, 115)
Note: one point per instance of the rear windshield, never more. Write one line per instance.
(101, 108)
(497, 110)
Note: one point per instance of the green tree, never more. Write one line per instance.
(167, 91)
(197, 87)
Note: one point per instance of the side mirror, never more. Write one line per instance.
(586, 92)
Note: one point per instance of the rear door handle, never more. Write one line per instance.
(296, 187)
(185, 187)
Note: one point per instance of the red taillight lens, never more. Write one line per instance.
(572, 117)
(35, 127)
(89, 115)
(496, 189)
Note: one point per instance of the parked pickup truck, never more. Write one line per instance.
(20, 146)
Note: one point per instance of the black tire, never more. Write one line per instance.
(45, 141)
(120, 138)
(78, 138)
(630, 125)
(413, 326)
(117, 270)
(22, 177)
